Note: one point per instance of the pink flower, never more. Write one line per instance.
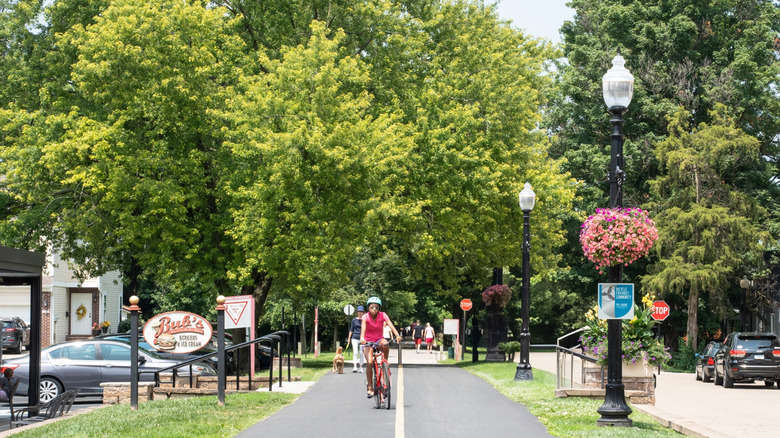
(498, 294)
(617, 236)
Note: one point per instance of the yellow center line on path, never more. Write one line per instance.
(399, 404)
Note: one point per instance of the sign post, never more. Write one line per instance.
(451, 328)
(465, 305)
(660, 311)
(240, 311)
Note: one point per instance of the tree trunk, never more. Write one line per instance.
(693, 316)
(303, 334)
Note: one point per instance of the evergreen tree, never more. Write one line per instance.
(708, 230)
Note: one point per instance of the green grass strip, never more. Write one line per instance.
(565, 417)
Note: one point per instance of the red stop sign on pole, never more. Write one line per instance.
(660, 310)
(466, 304)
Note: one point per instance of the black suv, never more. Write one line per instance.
(15, 334)
(705, 364)
(746, 357)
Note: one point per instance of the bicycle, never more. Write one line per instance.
(382, 377)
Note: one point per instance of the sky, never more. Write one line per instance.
(539, 18)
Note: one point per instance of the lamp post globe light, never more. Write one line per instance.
(527, 201)
(743, 316)
(618, 88)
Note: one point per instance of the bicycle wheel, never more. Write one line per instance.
(378, 386)
(386, 379)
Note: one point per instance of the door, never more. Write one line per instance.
(81, 313)
(116, 362)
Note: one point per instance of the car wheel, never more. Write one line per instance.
(50, 388)
(769, 383)
(718, 379)
(698, 374)
(18, 349)
(728, 382)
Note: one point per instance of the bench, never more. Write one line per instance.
(11, 399)
(56, 407)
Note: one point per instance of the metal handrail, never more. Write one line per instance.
(560, 363)
(272, 337)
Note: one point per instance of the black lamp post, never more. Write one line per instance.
(527, 201)
(743, 314)
(618, 88)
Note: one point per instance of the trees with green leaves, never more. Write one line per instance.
(249, 148)
(708, 230)
(687, 54)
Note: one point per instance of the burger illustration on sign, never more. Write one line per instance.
(177, 332)
(166, 342)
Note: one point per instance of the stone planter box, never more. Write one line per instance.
(637, 378)
(119, 392)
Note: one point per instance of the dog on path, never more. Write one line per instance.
(338, 361)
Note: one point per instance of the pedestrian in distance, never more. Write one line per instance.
(5, 384)
(354, 337)
(429, 336)
(417, 333)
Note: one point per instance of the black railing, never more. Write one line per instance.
(561, 356)
(271, 338)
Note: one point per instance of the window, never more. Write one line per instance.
(75, 352)
(115, 352)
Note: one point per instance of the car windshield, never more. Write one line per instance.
(755, 342)
(8, 324)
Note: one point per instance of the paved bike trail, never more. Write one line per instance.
(428, 402)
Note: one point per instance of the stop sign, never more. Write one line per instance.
(466, 304)
(660, 310)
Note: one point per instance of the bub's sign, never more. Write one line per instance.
(177, 332)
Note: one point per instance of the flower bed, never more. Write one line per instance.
(639, 342)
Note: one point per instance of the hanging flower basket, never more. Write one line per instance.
(497, 296)
(617, 236)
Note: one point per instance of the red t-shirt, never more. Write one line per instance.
(374, 326)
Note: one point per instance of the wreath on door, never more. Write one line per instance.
(81, 311)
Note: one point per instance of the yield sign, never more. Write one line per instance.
(239, 311)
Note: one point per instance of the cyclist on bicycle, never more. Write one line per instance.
(371, 331)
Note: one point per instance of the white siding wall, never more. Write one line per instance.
(111, 291)
(59, 306)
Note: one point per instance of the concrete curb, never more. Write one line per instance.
(679, 424)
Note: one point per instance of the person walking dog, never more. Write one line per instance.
(354, 336)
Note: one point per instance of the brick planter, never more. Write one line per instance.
(642, 384)
(119, 392)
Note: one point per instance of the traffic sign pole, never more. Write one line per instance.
(465, 305)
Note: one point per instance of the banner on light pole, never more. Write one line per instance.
(616, 300)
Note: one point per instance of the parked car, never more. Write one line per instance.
(85, 365)
(745, 357)
(705, 365)
(15, 333)
(207, 349)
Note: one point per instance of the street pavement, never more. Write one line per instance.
(429, 401)
(432, 400)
